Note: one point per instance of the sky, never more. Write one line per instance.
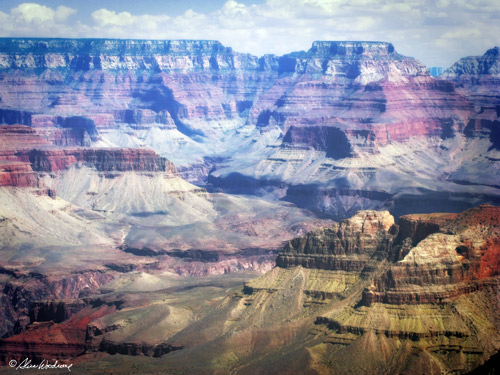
(437, 32)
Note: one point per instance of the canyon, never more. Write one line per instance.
(238, 123)
(171, 200)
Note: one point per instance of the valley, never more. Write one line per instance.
(174, 205)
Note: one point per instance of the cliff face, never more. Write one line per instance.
(426, 287)
(20, 293)
(14, 171)
(434, 256)
(476, 66)
(347, 246)
(125, 81)
(117, 54)
(356, 87)
(478, 78)
(103, 160)
(24, 154)
(459, 255)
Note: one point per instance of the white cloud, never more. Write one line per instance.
(104, 17)
(32, 19)
(435, 32)
(31, 12)
(63, 13)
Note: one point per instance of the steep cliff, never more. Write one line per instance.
(24, 152)
(461, 257)
(14, 171)
(102, 160)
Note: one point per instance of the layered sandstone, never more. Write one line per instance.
(14, 173)
(346, 246)
(103, 160)
(460, 257)
(24, 154)
(14, 169)
(429, 298)
(52, 340)
(478, 78)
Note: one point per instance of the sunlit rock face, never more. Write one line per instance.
(425, 289)
(347, 246)
(453, 254)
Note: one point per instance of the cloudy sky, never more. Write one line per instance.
(437, 32)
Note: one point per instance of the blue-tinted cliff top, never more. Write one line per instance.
(109, 46)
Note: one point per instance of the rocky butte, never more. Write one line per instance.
(123, 165)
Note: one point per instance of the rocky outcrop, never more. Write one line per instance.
(22, 291)
(433, 257)
(346, 246)
(134, 82)
(332, 140)
(427, 301)
(13, 173)
(103, 160)
(24, 153)
(459, 255)
(478, 79)
(416, 227)
(56, 311)
(474, 66)
(50, 340)
(359, 88)
(116, 54)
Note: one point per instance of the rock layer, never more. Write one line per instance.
(460, 258)
(347, 246)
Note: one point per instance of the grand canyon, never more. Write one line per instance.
(175, 206)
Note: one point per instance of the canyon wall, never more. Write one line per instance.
(324, 128)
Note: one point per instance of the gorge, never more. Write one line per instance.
(164, 200)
